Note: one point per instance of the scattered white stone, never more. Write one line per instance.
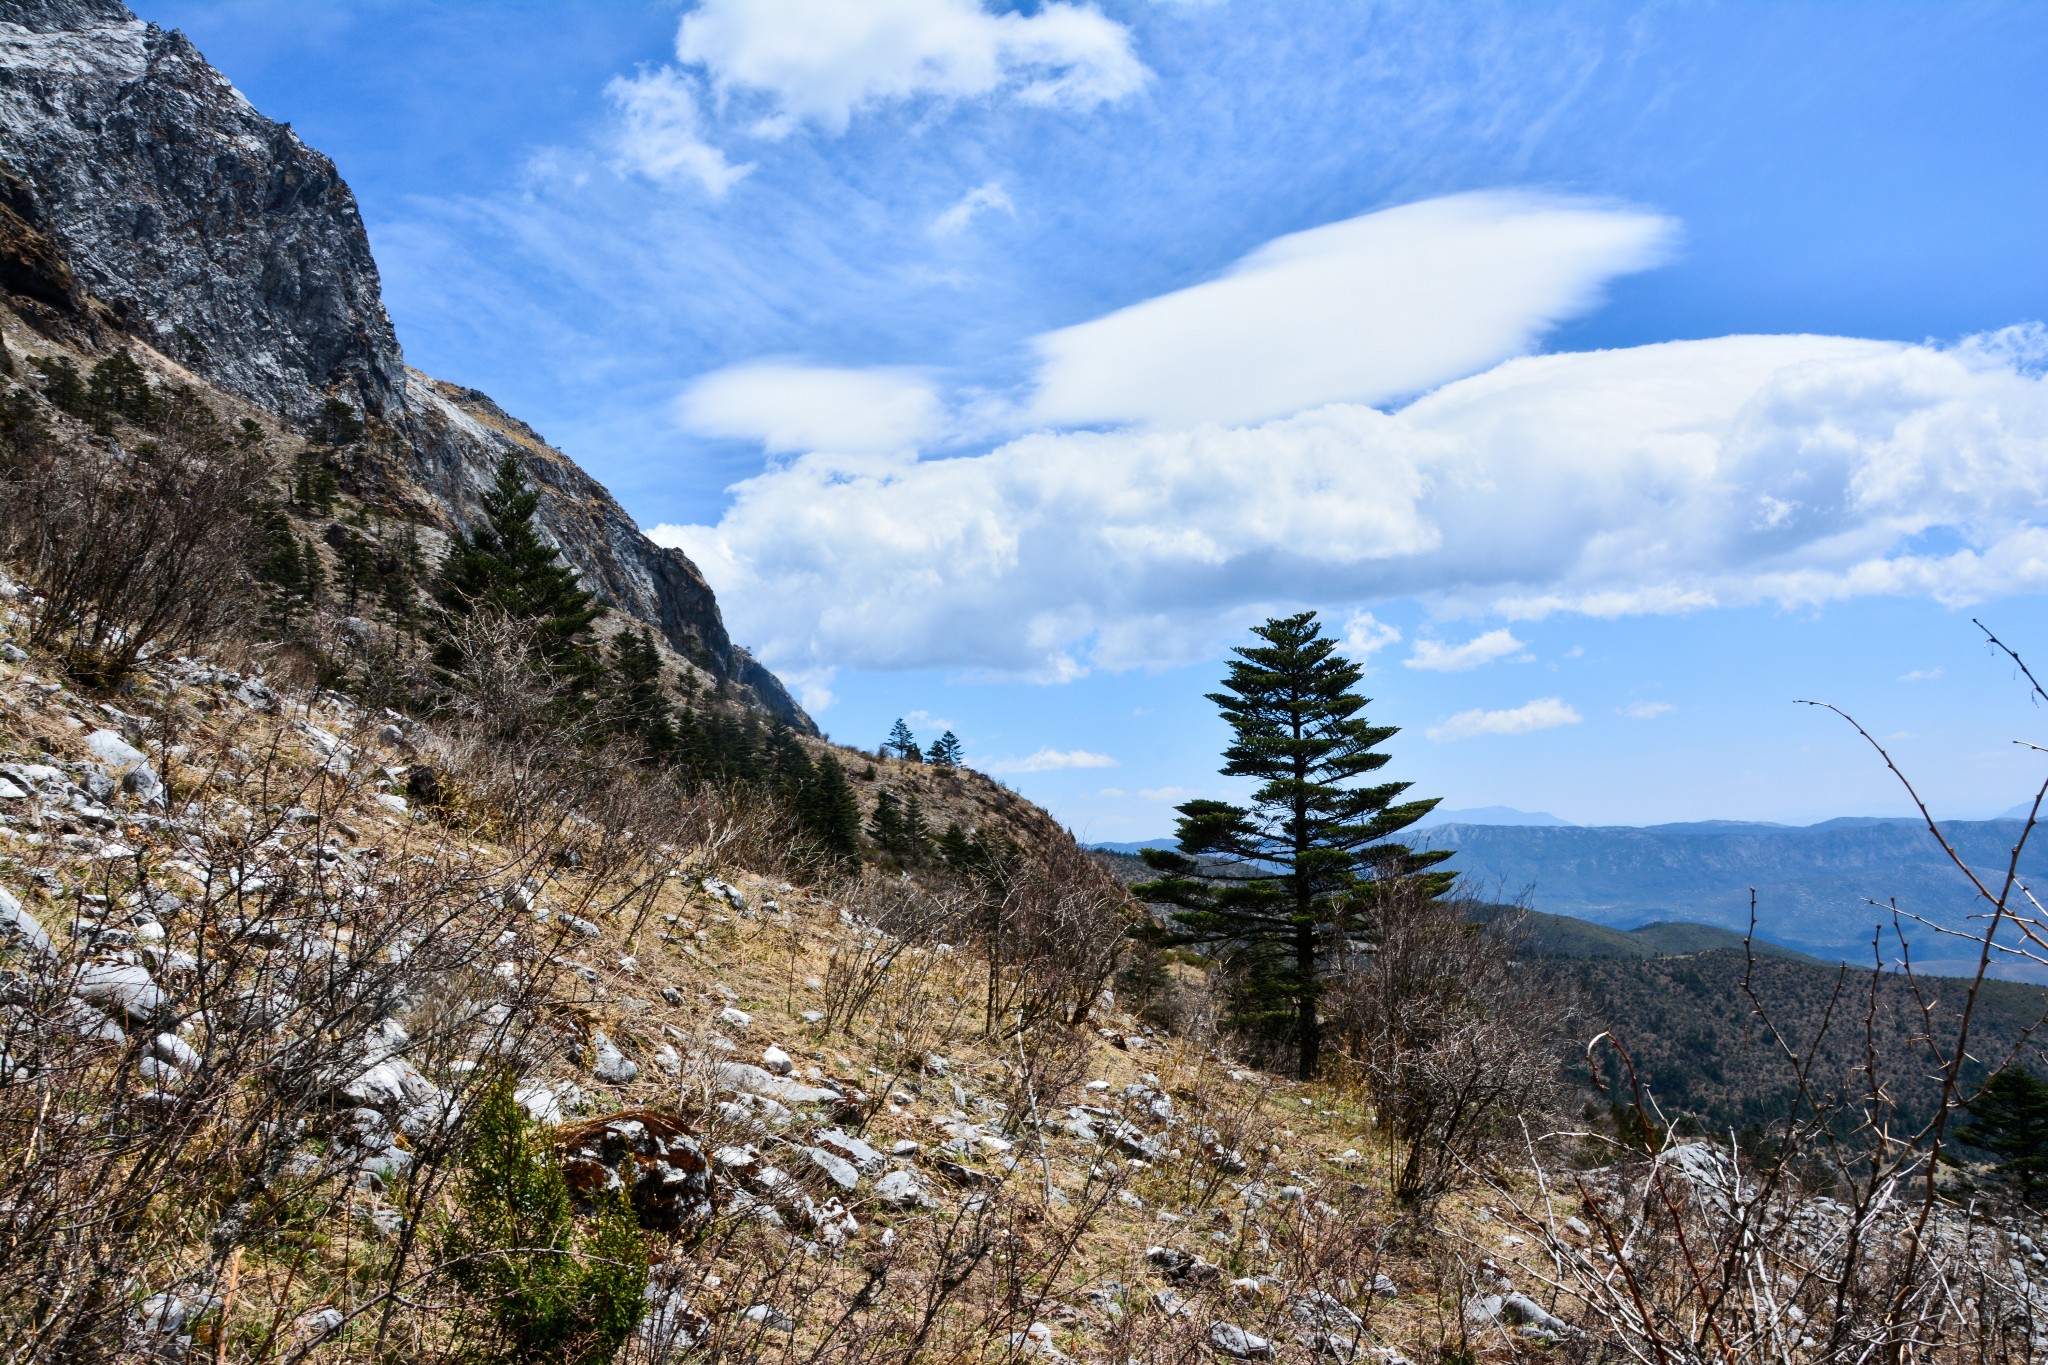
(774, 1058)
(899, 1190)
(1235, 1342)
(612, 1066)
(17, 924)
(737, 1020)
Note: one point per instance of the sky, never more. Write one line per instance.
(1610, 377)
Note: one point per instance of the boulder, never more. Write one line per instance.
(1515, 1310)
(776, 1060)
(1237, 1343)
(864, 1157)
(21, 928)
(120, 988)
(836, 1169)
(112, 751)
(651, 1154)
(899, 1190)
(1323, 1312)
(612, 1066)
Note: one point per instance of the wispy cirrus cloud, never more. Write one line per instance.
(990, 197)
(1048, 761)
(1647, 710)
(1545, 713)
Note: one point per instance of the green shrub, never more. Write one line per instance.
(537, 1288)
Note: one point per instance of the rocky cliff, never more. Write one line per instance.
(143, 199)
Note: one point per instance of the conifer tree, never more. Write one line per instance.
(945, 751)
(638, 704)
(829, 813)
(903, 744)
(504, 565)
(885, 827)
(1279, 883)
(119, 388)
(917, 831)
(2009, 1119)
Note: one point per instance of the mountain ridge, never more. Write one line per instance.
(145, 201)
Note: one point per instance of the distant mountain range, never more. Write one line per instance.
(1814, 883)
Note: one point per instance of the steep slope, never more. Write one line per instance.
(142, 198)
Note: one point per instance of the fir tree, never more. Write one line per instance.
(288, 566)
(119, 388)
(357, 562)
(503, 565)
(945, 751)
(903, 744)
(829, 813)
(2009, 1119)
(1283, 880)
(917, 831)
(337, 424)
(885, 826)
(63, 386)
(637, 702)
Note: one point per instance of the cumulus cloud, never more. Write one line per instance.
(1048, 761)
(660, 132)
(1672, 477)
(823, 61)
(1647, 710)
(1365, 635)
(1545, 713)
(1362, 311)
(790, 407)
(1438, 657)
(981, 199)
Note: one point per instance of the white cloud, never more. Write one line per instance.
(1048, 761)
(1438, 657)
(1921, 675)
(980, 199)
(790, 407)
(660, 132)
(1169, 794)
(823, 61)
(1647, 710)
(1545, 713)
(1666, 478)
(1361, 311)
(813, 687)
(1365, 635)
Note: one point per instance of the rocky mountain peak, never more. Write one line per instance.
(144, 200)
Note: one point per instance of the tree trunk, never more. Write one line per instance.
(1308, 1029)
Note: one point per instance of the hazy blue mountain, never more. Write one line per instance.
(1814, 883)
(1488, 815)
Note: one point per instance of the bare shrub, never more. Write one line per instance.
(136, 550)
(1053, 931)
(1835, 1238)
(1452, 1038)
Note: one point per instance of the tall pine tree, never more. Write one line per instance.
(945, 751)
(1280, 883)
(503, 565)
(903, 743)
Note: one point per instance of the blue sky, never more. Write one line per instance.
(1001, 366)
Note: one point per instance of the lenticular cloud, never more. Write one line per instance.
(1673, 477)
